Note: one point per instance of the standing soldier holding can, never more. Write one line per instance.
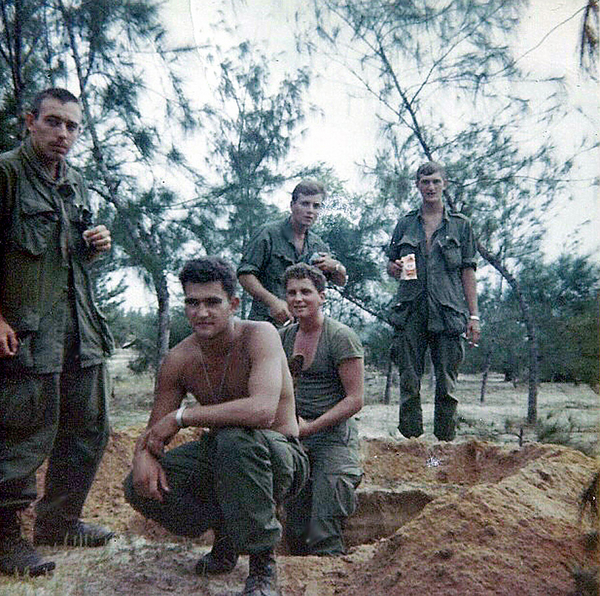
(432, 254)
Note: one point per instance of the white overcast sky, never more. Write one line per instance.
(344, 133)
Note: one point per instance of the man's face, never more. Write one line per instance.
(303, 298)
(305, 209)
(55, 129)
(432, 187)
(208, 308)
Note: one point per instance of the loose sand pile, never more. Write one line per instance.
(464, 519)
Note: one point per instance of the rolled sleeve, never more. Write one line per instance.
(469, 248)
(256, 255)
(346, 345)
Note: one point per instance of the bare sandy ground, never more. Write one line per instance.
(480, 516)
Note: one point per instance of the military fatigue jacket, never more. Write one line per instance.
(269, 253)
(439, 273)
(44, 276)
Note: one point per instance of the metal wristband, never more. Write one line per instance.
(179, 417)
(474, 317)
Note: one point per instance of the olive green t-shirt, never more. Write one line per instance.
(319, 387)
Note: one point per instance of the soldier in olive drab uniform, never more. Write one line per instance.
(278, 245)
(433, 255)
(53, 340)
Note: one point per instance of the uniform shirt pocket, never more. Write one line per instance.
(450, 249)
(35, 224)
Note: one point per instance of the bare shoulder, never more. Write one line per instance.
(178, 356)
(258, 336)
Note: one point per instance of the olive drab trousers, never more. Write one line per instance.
(230, 481)
(314, 519)
(32, 406)
(447, 353)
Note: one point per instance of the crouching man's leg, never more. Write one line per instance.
(335, 475)
(230, 480)
(257, 469)
(188, 508)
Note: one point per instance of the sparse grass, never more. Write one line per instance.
(551, 429)
(479, 428)
(555, 429)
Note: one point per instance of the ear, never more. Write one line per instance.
(234, 303)
(29, 120)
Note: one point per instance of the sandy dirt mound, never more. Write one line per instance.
(464, 519)
(513, 528)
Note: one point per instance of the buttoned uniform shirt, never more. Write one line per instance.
(438, 287)
(269, 253)
(45, 286)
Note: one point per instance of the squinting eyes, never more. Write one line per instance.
(207, 304)
(56, 122)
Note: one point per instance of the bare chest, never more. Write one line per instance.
(217, 381)
(306, 345)
(430, 224)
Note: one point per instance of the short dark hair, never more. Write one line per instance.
(305, 271)
(208, 269)
(62, 95)
(309, 188)
(429, 168)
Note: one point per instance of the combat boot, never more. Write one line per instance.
(17, 555)
(262, 580)
(74, 533)
(221, 559)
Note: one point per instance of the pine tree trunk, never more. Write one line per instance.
(484, 377)
(164, 319)
(388, 380)
(530, 326)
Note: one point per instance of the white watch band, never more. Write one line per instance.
(179, 417)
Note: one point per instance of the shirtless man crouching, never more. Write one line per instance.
(248, 459)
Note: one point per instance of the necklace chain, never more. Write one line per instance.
(222, 383)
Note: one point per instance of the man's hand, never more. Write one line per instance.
(98, 238)
(473, 333)
(331, 267)
(325, 262)
(158, 436)
(149, 478)
(394, 268)
(278, 310)
(9, 343)
(304, 428)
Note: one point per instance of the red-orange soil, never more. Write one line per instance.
(468, 519)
